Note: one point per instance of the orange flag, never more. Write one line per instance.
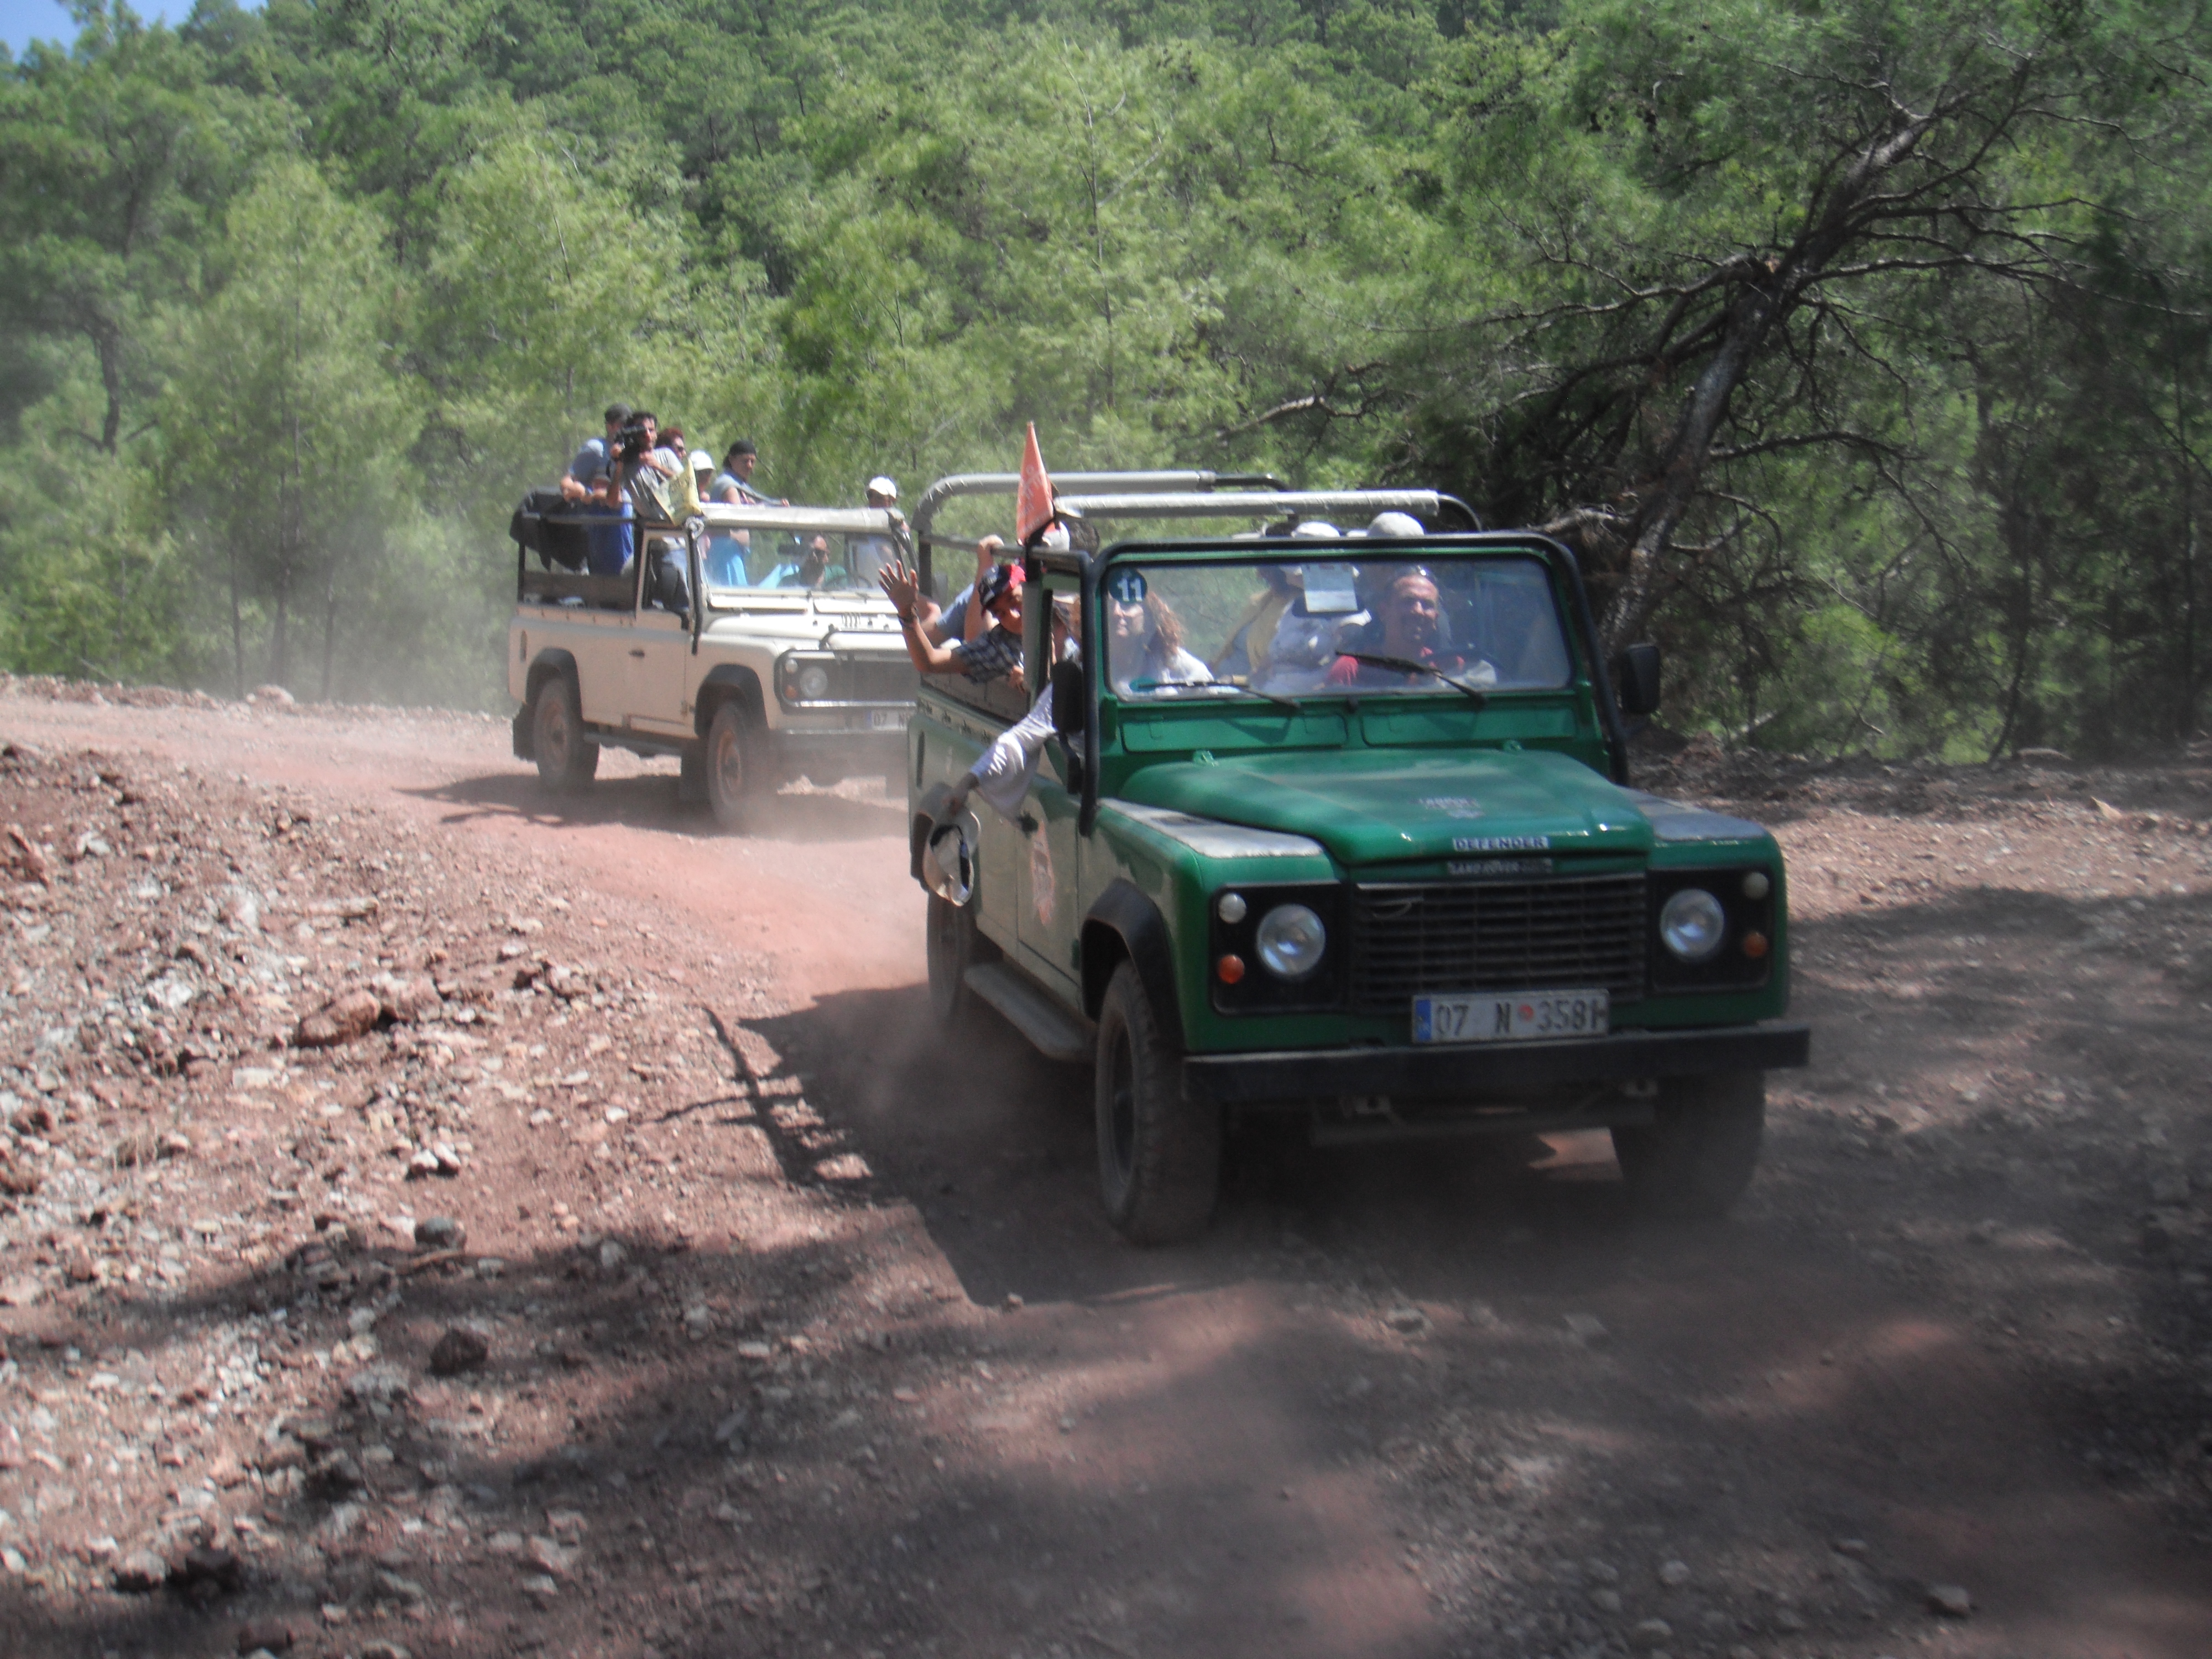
(1033, 502)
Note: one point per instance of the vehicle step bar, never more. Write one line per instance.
(1052, 1030)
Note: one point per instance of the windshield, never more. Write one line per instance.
(1428, 624)
(747, 560)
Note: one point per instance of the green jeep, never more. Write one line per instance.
(1340, 828)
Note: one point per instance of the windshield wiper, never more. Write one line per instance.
(1291, 703)
(1410, 666)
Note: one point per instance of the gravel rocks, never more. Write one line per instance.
(141, 1573)
(458, 1350)
(440, 1232)
(1952, 1601)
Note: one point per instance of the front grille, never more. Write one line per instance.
(878, 682)
(1573, 934)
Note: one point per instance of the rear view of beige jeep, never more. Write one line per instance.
(775, 656)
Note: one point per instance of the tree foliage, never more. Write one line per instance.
(1861, 348)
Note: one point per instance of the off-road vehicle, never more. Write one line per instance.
(1340, 831)
(788, 661)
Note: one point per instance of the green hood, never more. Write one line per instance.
(1370, 810)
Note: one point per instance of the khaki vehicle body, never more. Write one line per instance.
(810, 680)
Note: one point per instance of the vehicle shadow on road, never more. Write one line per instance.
(647, 801)
(996, 1148)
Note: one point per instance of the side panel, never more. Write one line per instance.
(600, 642)
(660, 651)
(1050, 921)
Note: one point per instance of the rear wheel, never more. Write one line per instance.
(1696, 1157)
(733, 766)
(1159, 1155)
(567, 757)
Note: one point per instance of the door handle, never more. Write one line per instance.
(637, 651)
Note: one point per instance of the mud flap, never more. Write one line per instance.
(526, 733)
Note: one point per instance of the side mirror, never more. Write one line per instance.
(1068, 713)
(1638, 681)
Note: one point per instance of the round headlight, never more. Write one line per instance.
(1231, 908)
(1691, 924)
(1290, 941)
(814, 683)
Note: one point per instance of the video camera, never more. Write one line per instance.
(634, 440)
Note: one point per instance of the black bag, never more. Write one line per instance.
(561, 545)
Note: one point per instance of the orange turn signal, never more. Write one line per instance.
(1231, 969)
(1754, 945)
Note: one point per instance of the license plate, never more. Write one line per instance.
(1519, 1017)
(887, 720)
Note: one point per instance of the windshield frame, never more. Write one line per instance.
(1586, 664)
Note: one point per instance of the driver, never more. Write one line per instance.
(1144, 638)
(1411, 617)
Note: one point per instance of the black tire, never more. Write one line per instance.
(1159, 1156)
(1696, 1156)
(734, 782)
(567, 759)
(955, 946)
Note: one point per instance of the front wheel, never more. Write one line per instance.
(1159, 1156)
(733, 766)
(567, 759)
(1695, 1157)
(955, 946)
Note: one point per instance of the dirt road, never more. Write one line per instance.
(806, 1335)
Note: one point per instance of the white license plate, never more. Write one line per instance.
(1520, 1017)
(887, 720)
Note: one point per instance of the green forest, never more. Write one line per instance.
(1861, 348)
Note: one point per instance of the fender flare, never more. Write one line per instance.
(722, 682)
(543, 667)
(1139, 932)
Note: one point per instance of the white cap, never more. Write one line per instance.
(879, 485)
(1395, 525)
(1319, 529)
(701, 461)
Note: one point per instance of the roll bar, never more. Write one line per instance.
(1423, 503)
(1006, 483)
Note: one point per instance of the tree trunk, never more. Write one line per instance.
(237, 631)
(1767, 291)
(329, 624)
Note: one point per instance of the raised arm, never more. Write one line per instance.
(902, 587)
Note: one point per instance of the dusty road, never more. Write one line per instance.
(805, 1335)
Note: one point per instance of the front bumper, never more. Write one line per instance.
(1456, 1073)
(823, 755)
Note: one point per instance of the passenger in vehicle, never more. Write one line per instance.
(1309, 637)
(996, 655)
(1144, 638)
(734, 483)
(593, 457)
(1394, 526)
(952, 623)
(867, 555)
(1411, 614)
(1003, 773)
(728, 555)
(1249, 651)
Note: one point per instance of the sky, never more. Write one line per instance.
(23, 22)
